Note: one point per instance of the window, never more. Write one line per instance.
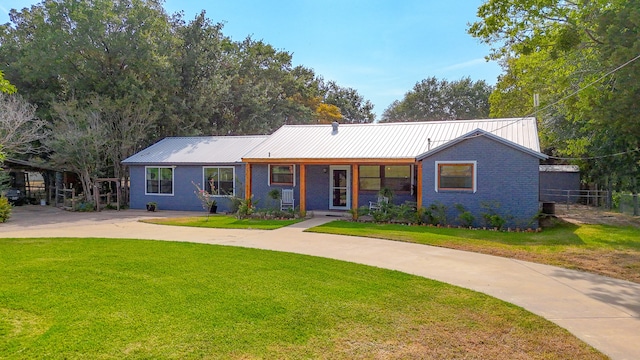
(159, 180)
(281, 175)
(219, 180)
(370, 177)
(395, 177)
(456, 176)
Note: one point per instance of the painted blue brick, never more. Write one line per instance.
(505, 176)
(183, 197)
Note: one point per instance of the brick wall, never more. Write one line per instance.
(506, 177)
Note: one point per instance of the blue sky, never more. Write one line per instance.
(381, 48)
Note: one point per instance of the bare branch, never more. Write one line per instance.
(20, 129)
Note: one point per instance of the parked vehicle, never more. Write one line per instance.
(16, 197)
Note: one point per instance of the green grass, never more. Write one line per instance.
(114, 299)
(224, 222)
(608, 250)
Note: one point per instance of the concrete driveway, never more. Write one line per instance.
(601, 311)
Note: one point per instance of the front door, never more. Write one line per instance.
(340, 188)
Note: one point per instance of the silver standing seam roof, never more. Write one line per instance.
(382, 141)
(196, 150)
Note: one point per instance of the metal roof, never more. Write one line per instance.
(196, 150)
(387, 140)
(478, 133)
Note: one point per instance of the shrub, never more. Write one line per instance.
(358, 212)
(246, 208)
(274, 194)
(491, 216)
(85, 206)
(274, 214)
(465, 217)
(435, 214)
(5, 209)
(407, 212)
(384, 212)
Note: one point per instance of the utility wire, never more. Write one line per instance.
(586, 86)
(596, 157)
(561, 100)
(567, 97)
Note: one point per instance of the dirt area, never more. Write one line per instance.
(582, 214)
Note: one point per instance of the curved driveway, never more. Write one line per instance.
(601, 311)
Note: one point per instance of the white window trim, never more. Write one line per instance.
(474, 180)
(173, 182)
(269, 175)
(204, 179)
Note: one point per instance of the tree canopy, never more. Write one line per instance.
(582, 58)
(432, 100)
(134, 74)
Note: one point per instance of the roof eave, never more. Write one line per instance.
(329, 160)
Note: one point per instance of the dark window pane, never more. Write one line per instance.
(159, 180)
(282, 174)
(455, 176)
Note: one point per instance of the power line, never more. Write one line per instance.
(596, 157)
(571, 95)
(557, 102)
(588, 85)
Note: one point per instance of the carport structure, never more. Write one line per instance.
(38, 181)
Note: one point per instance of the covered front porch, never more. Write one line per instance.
(335, 185)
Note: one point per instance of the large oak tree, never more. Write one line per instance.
(436, 100)
(133, 74)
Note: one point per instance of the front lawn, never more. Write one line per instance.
(607, 250)
(117, 299)
(225, 222)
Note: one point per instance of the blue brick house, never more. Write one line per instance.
(166, 173)
(340, 167)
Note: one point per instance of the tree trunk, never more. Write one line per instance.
(87, 185)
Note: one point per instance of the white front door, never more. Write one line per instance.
(340, 188)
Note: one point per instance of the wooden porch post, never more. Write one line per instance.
(303, 188)
(247, 181)
(354, 189)
(419, 185)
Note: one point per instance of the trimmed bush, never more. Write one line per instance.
(5, 209)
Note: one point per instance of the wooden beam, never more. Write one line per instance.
(419, 185)
(328, 161)
(303, 188)
(354, 190)
(247, 182)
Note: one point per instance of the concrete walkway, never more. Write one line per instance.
(601, 311)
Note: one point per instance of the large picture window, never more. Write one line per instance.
(456, 176)
(159, 180)
(219, 180)
(281, 175)
(395, 177)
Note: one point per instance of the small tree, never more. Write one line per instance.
(78, 142)
(205, 198)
